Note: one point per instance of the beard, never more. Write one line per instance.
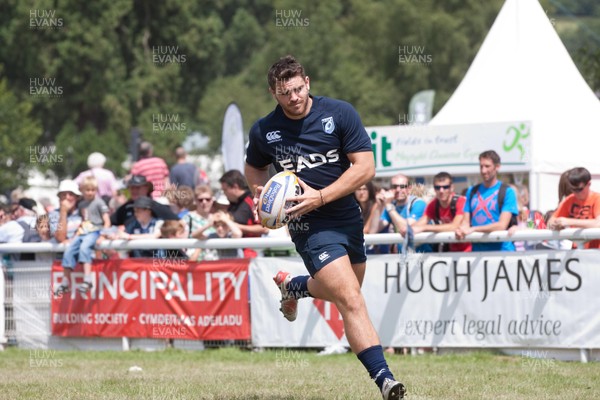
(296, 110)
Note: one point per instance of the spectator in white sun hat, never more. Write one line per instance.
(65, 221)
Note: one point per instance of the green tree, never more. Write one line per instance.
(19, 133)
(121, 64)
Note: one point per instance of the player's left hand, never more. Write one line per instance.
(309, 200)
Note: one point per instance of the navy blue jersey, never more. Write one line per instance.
(315, 148)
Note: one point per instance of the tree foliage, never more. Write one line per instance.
(19, 134)
(169, 68)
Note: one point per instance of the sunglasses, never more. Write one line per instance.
(399, 186)
(204, 199)
(579, 189)
(440, 187)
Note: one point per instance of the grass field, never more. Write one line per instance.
(284, 374)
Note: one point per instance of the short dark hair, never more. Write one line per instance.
(492, 155)
(234, 177)
(286, 68)
(442, 176)
(578, 175)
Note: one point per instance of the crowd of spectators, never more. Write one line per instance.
(488, 206)
(155, 202)
(152, 201)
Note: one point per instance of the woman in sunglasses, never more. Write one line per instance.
(199, 222)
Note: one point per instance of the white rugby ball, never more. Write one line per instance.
(273, 199)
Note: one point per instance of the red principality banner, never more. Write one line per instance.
(156, 298)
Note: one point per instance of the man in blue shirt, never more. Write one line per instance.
(324, 143)
(398, 209)
(486, 209)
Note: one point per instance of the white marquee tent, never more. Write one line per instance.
(523, 72)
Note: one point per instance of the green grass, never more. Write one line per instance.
(285, 374)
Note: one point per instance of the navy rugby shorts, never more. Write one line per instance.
(319, 248)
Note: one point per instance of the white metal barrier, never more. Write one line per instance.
(27, 292)
(576, 235)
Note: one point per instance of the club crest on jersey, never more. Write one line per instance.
(328, 124)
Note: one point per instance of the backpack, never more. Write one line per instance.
(410, 204)
(452, 208)
(501, 195)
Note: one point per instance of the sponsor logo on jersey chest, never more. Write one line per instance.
(273, 136)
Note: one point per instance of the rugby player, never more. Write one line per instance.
(324, 142)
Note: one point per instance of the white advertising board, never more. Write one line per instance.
(533, 299)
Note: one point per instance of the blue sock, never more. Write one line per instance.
(374, 361)
(298, 287)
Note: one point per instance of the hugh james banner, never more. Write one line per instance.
(156, 298)
(533, 299)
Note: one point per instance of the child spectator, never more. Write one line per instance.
(42, 226)
(580, 209)
(526, 219)
(107, 183)
(143, 226)
(225, 228)
(94, 214)
(172, 230)
(221, 203)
